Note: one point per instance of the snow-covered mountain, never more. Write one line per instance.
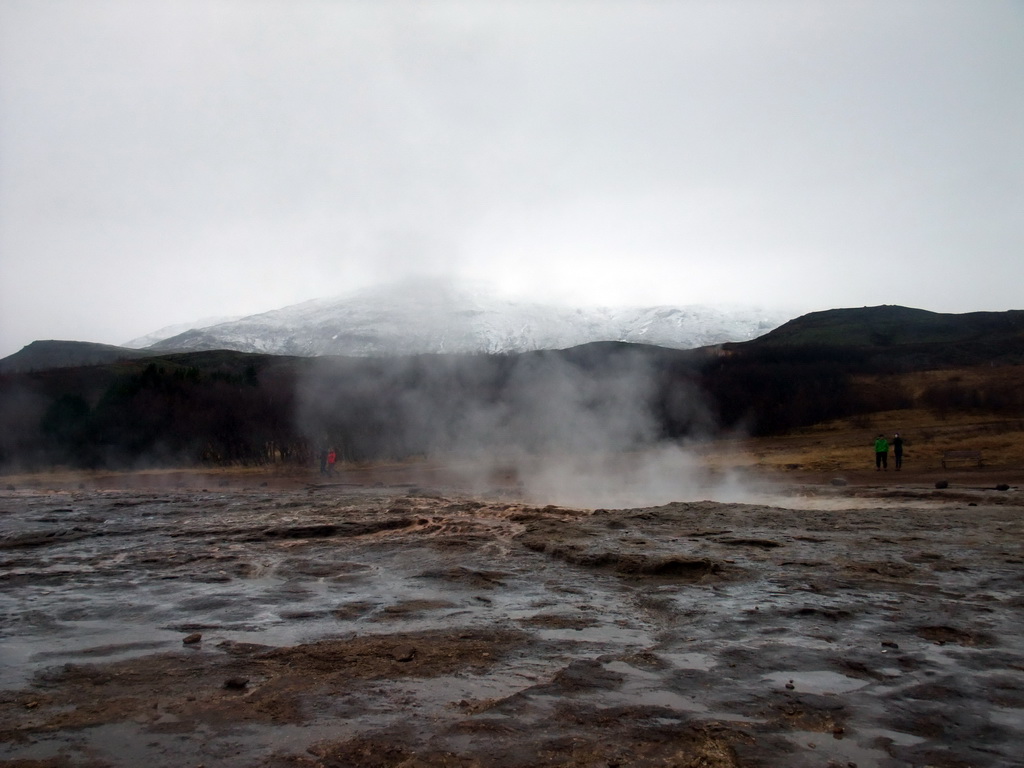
(173, 330)
(439, 318)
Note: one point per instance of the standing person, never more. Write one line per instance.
(323, 462)
(331, 458)
(881, 453)
(897, 450)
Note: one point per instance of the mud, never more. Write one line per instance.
(343, 625)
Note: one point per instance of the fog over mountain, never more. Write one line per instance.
(436, 317)
(173, 330)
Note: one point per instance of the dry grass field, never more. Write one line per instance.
(847, 445)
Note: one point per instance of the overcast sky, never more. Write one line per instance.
(162, 162)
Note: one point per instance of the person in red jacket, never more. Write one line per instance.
(332, 457)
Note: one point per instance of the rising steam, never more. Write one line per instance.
(601, 425)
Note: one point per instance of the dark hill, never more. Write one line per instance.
(818, 367)
(43, 355)
(889, 326)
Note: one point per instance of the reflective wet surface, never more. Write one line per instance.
(343, 625)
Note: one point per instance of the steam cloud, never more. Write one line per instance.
(600, 425)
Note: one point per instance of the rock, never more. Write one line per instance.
(1002, 487)
(192, 639)
(236, 683)
(404, 653)
(889, 644)
(942, 484)
(10, 487)
(839, 481)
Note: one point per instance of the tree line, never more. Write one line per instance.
(232, 408)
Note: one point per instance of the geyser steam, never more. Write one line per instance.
(599, 425)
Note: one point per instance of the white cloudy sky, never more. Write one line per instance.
(166, 161)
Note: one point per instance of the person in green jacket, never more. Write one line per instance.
(881, 453)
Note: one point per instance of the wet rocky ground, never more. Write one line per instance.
(341, 625)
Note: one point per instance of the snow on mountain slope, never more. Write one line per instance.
(439, 318)
(173, 330)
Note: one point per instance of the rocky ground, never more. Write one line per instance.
(172, 620)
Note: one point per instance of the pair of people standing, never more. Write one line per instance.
(882, 452)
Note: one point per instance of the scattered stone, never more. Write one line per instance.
(236, 683)
(839, 481)
(1002, 487)
(889, 644)
(404, 653)
(942, 484)
(192, 639)
(10, 487)
(790, 686)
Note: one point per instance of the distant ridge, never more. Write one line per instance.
(891, 326)
(901, 335)
(43, 355)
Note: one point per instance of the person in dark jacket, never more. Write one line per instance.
(897, 450)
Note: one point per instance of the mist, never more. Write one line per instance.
(604, 425)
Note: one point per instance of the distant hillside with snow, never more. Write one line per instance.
(431, 317)
(173, 330)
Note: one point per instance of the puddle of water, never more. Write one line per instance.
(1011, 717)
(611, 635)
(637, 695)
(818, 681)
(643, 688)
(845, 751)
(21, 657)
(691, 660)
